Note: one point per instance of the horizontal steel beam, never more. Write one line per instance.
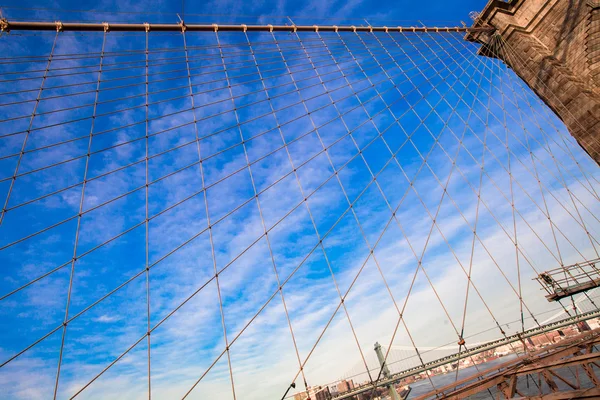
(553, 357)
(7, 26)
(475, 350)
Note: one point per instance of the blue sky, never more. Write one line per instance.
(398, 98)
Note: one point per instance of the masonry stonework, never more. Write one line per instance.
(554, 46)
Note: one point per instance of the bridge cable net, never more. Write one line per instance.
(244, 214)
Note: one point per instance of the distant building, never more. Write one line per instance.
(345, 386)
(568, 331)
(545, 339)
(508, 348)
(321, 393)
(594, 323)
(314, 393)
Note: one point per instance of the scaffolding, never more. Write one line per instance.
(569, 280)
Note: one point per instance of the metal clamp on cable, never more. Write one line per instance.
(335, 28)
(386, 29)
(216, 27)
(270, 28)
(4, 26)
(106, 27)
(146, 27)
(353, 28)
(316, 28)
(183, 27)
(59, 26)
(244, 27)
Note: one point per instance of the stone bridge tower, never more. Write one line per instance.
(556, 47)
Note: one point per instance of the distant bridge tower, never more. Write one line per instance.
(554, 46)
(385, 371)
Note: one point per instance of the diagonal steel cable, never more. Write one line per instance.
(141, 95)
(466, 221)
(511, 185)
(562, 180)
(220, 180)
(553, 78)
(495, 220)
(253, 318)
(393, 214)
(167, 130)
(156, 180)
(296, 269)
(155, 103)
(324, 236)
(28, 131)
(542, 164)
(431, 230)
(389, 206)
(165, 255)
(526, 193)
(77, 232)
(325, 149)
(210, 232)
(559, 167)
(268, 241)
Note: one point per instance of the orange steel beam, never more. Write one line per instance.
(559, 355)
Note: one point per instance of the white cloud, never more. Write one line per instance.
(106, 318)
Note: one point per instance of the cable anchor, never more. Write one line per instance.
(4, 26)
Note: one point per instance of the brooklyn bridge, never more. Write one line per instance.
(231, 206)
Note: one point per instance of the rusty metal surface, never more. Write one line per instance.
(547, 364)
